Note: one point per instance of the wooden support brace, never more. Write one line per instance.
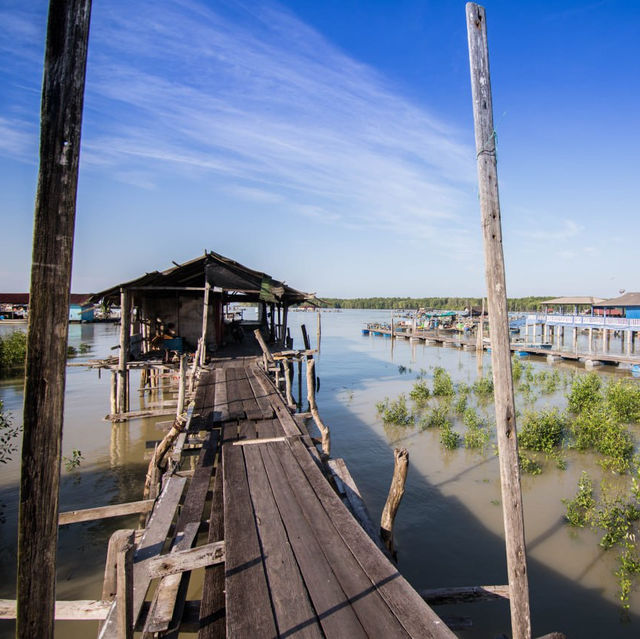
(184, 560)
(466, 594)
(103, 512)
(124, 588)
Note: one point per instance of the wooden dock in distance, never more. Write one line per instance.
(446, 339)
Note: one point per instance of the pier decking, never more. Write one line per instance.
(285, 557)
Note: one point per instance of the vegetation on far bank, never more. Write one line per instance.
(443, 303)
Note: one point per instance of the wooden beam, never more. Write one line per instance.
(80, 610)
(124, 588)
(103, 512)
(54, 221)
(466, 594)
(184, 560)
(498, 321)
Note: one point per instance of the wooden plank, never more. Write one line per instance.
(287, 422)
(374, 615)
(266, 428)
(505, 409)
(330, 602)
(248, 606)
(187, 526)
(212, 610)
(466, 594)
(262, 396)
(246, 430)
(293, 611)
(103, 512)
(184, 560)
(150, 545)
(262, 440)
(347, 486)
(414, 614)
(234, 393)
(80, 610)
(221, 407)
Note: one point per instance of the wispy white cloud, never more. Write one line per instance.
(252, 94)
(246, 94)
(18, 139)
(558, 230)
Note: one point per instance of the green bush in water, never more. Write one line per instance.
(483, 387)
(420, 394)
(585, 392)
(395, 412)
(528, 465)
(13, 350)
(580, 508)
(460, 404)
(542, 430)
(437, 418)
(623, 398)
(516, 369)
(442, 384)
(448, 437)
(598, 429)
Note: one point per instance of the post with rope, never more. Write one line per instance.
(499, 322)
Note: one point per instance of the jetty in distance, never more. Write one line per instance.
(608, 328)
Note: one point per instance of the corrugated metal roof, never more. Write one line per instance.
(23, 298)
(573, 300)
(628, 299)
(220, 271)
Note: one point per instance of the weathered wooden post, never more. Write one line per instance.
(313, 408)
(396, 491)
(125, 328)
(305, 338)
(124, 588)
(285, 317)
(499, 322)
(182, 385)
(480, 336)
(318, 330)
(205, 322)
(54, 220)
(113, 404)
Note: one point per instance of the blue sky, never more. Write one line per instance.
(330, 143)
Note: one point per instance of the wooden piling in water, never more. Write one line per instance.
(313, 408)
(54, 221)
(497, 296)
(396, 491)
(125, 330)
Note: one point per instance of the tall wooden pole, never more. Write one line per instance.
(54, 220)
(205, 322)
(499, 322)
(125, 341)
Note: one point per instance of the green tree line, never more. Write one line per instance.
(444, 303)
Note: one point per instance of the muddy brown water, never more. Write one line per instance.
(449, 526)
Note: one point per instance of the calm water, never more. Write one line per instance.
(449, 526)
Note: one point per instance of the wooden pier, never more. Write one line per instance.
(259, 520)
(589, 358)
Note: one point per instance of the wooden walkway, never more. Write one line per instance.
(283, 557)
(297, 562)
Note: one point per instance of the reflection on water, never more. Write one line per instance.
(449, 526)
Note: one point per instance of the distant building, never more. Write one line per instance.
(16, 306)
